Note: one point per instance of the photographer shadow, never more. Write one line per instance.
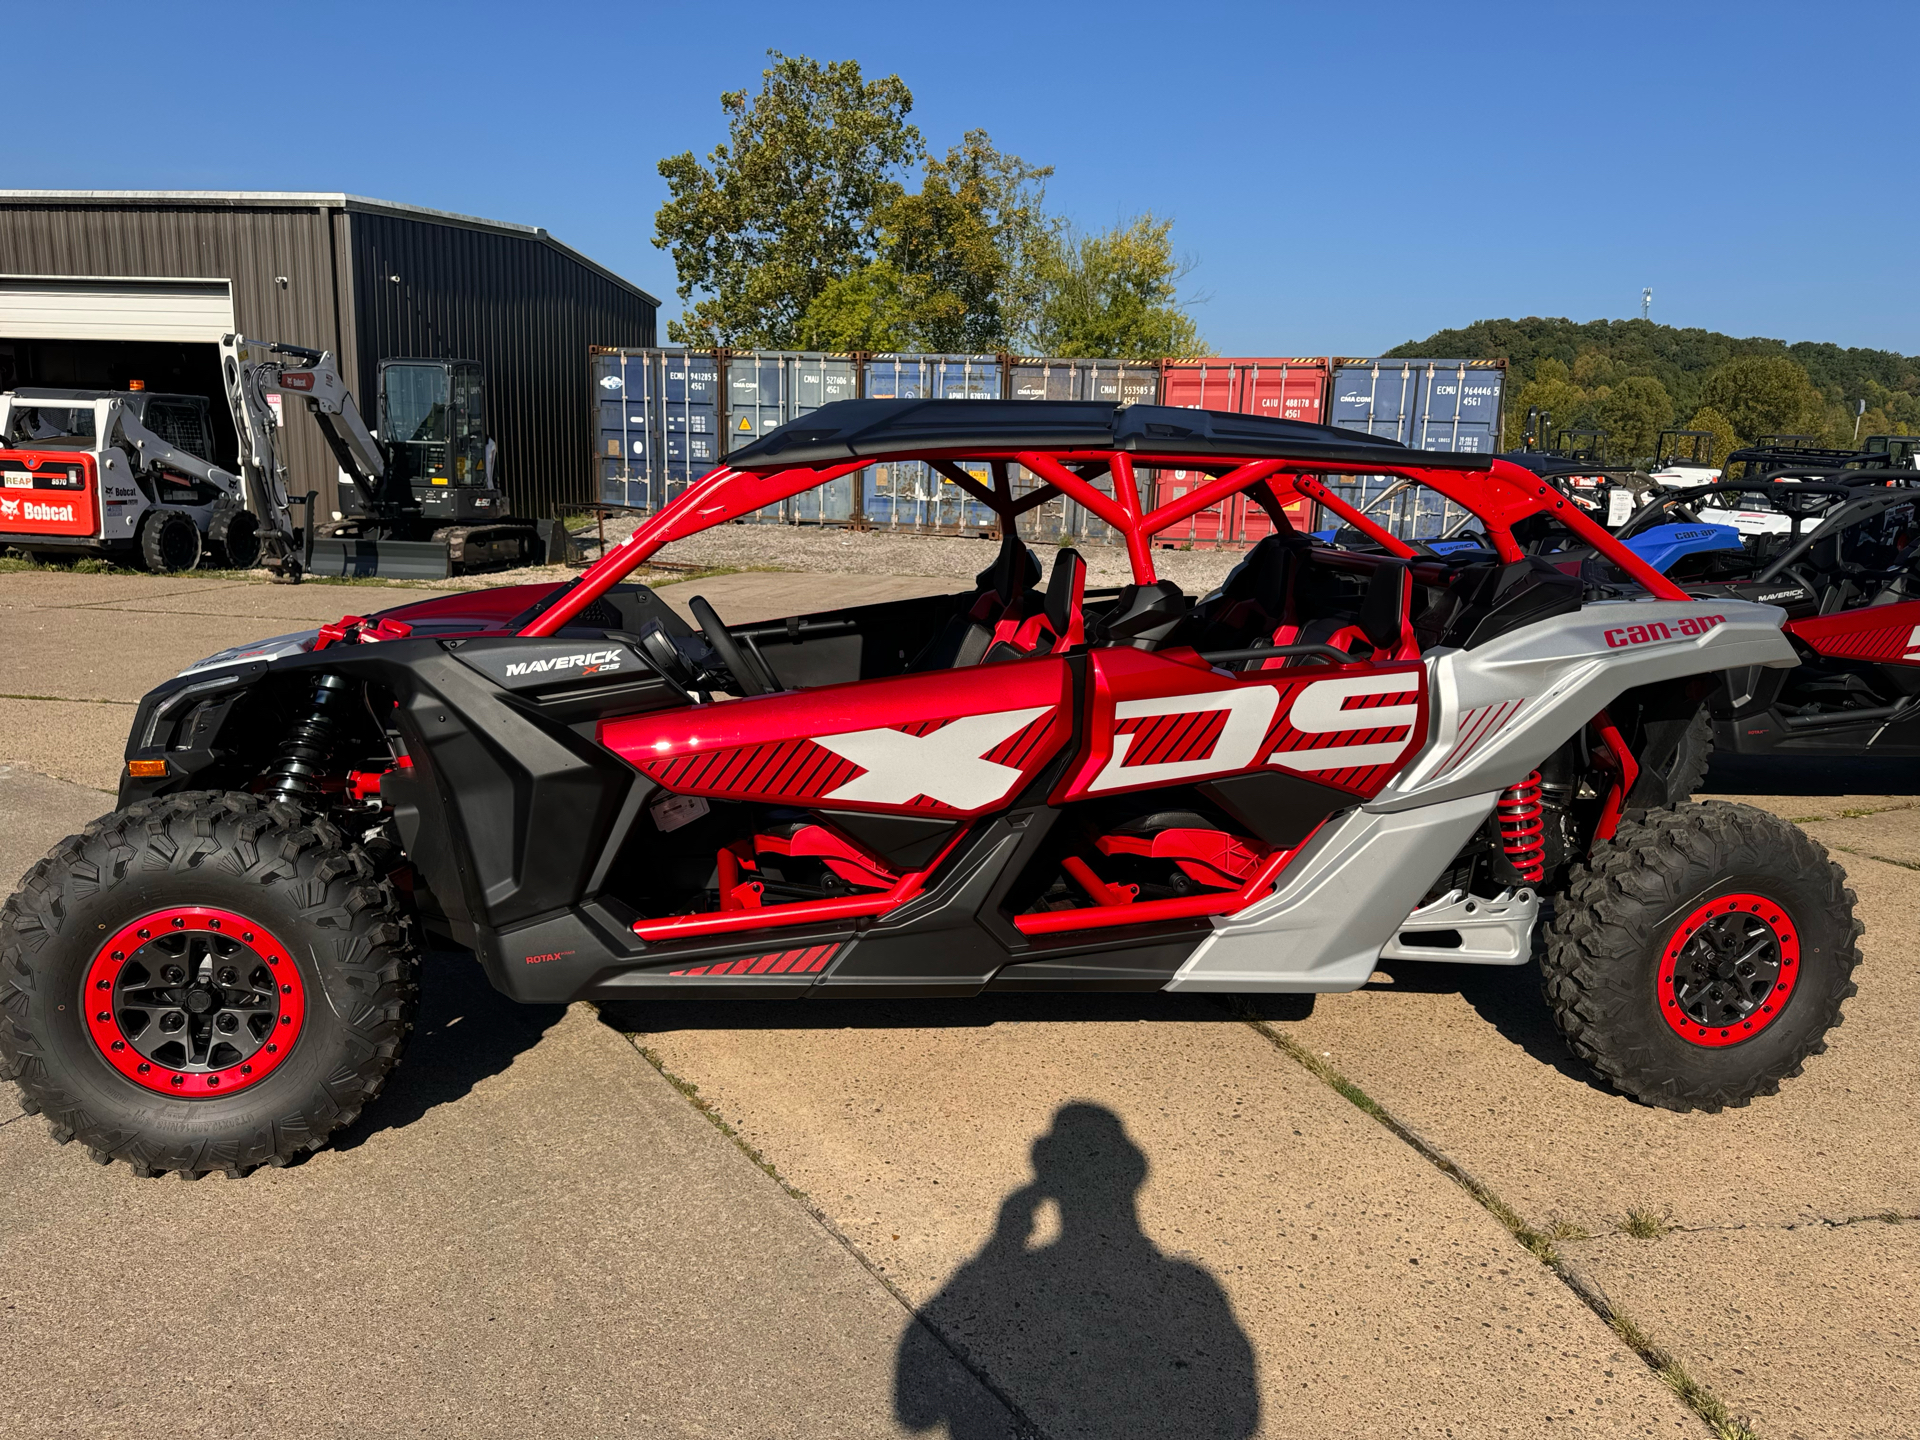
(1094, 1330)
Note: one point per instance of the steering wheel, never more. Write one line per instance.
(748, 670)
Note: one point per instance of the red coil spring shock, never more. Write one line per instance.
(1523, 829)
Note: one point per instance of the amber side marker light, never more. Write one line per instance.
(136, 384)
(147, 769)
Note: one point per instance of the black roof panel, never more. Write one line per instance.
(858, 429)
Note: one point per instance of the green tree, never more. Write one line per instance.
(787, 206)
(956, 260)
(1765, 395)
(1561, 403)
(1725, 440)
(867, 310)
(1114, 294)
(1633, 412)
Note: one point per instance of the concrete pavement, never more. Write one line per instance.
(1111, 1208)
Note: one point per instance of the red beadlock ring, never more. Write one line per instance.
(263, 1054)
(1728, 970)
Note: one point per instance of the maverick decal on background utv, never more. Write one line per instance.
(1344, 752)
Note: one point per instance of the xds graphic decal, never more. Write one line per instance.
(948, 765)
(940, 743)
(1323, 709)
(1247, 711)
(1343, 723)
(1477, 726)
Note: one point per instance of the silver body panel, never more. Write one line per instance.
(1489, 932)
(1495, 713)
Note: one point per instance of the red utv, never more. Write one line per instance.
(1337, 755)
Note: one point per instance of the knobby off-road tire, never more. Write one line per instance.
(1700, 956)
(252, 925)
(1690, 760)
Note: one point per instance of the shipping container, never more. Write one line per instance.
(911, 495)
(1450, 405)
(1280, 387)
(766, 389)
(1113, 382)
(659, 422)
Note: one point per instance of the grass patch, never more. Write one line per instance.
(13, 563)
(1695, 1396)
(691, 1094)
(1804, 819)
(1646, 1224)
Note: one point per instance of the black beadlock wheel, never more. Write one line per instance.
(203, 982)
(170, 541)
(1700, 956)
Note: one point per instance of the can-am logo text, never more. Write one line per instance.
(593, 662)
(1660, 630)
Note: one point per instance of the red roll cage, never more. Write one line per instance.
(1499, 496)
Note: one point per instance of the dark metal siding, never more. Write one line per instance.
(526, 311)
(246, 245)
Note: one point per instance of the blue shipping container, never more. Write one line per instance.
(1428, 404)
(768, 388)
(912, 495)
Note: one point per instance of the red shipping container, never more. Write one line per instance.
(1283, 387)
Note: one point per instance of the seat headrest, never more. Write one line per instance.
(1265, 574)
(1065, 587)
(1144, 615)
(1014, 571)
(1385, 604)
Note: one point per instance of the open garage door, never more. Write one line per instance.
(106, 333)
(56, 307)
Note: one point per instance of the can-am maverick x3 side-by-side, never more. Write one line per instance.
(1338, 755)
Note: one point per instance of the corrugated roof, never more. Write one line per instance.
(303, 199)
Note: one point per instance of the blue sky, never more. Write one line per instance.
(1345, 177)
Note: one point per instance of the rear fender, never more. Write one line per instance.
(1503, 707)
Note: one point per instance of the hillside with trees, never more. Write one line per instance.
(1634, 378)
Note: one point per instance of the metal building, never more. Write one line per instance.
(101, 287)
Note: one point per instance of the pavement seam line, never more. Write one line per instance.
(1026, 1427)
(68, 699)
(1666, 1367)
(1869, 855)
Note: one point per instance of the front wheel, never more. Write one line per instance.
(170, 542)
(1699, 957)
(203, 982)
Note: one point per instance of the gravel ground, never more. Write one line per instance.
(843, 552)
(877, 552)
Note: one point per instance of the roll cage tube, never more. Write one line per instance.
(1499, 495)
(1687, 500)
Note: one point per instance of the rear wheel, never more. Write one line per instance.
(234, 540)
(1700, 956)
(203, 982)
(170, 541)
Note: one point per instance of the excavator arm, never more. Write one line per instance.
(252, 368)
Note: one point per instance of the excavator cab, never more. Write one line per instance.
(433, 418)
